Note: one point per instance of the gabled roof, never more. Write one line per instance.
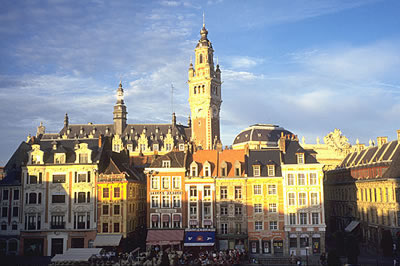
(177, 159)
(262, 158)
(13, 168)
(292, 149)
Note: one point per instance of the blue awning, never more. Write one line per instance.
(199, 238)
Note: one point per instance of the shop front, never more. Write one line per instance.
(199, 238)
(163, 239)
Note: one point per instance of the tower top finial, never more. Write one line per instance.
(204, 21)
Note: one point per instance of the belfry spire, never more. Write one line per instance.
(120, 113)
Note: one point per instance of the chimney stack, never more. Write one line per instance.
(381, 141)
(398, 135)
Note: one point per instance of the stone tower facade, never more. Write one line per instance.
(205, 95)
(120, 113)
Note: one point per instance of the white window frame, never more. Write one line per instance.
(176, 198)
(258, 225)
(314, 201)
(291, 200)
(271, 170)
(157, 199)
(273, 225)
(315, 179)
(155, 180)
(303, 179)
(259, 191)
(156, 147)
(316, 221)
(258, 208)
(272, 207)
(272, 189)
(257, 170)
(207, 191)
(300, 218)
(176, 182)
(294, 217)
(291, 179)
(165, 180)
(301, 199)
(300, 158)
(166, 164)
(169, 201)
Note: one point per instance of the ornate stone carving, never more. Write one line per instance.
(336, 141)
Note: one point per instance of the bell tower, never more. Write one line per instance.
(120, 113)
(205, 94)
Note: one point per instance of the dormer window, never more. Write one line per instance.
(238, 168)
(116, 148)
(83, 158)
(271, 170)
(155, 147)
(256, 170)
(207, 169)
(300, 158)
(193, 169)
(59, 158)
(35, 159)
(166, 164)
(224, 169)
(168, 147)
(130, 147)
(142, 147)
(181, 147)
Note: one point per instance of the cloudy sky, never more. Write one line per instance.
(309, 66)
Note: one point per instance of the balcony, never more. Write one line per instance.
(57, 225)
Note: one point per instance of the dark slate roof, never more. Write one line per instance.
(117, 163)
(263, 158)
(67, 146)
(13, 167)
(178, 159)
(293, 147)
(394, 169)
(260, 132)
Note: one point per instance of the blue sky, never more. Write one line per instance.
(309, 66)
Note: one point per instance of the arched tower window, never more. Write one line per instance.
(201, 59)
(204, 90)
(194, 89)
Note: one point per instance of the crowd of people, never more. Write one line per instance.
(229, 257)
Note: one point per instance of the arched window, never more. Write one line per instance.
(201, 58)
(194, 90)
(204, 90)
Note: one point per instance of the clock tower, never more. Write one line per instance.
(205, 95)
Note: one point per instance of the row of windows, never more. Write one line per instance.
(4, 212)
(206, 191)
(302, 218)
(59, 158)
(206, 209)
(166, 201)
(272, 208)
(258, 225)
(79, 177)
(6, 194)
(36, 198)
(257, 190)
(194, 169)
(270, 170)
(302, 198)
(107, 228)
(166, 182)
(106, 192)
(155, 147)
(302, 179)
(111, 210)
(4, 227)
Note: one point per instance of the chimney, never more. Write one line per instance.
(100, 141)
(398, 135)
(381, 141)
(282, 143)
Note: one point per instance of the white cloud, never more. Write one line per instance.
(243, 62)
(231, 75)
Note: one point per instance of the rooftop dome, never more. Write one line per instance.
(265, 134)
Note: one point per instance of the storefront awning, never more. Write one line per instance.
(76, 254)
(164, 237)
(351, 226)
(204, 238)
(107, 240)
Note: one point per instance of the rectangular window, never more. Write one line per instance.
(271, 170)
(59, 178)
(300, 158)
(165, 201)
(292, 218)
(105, 227)
(15, 211)
(57, 222)
(207, 191)
(224, 192)
(256, 170)
(315, 218)
(32, 198)
(258, 208)
(155, 201)
(193, 209)
(272, 189)
(291, 199)
(116, 227)
(207, 171)
(116, 209)
(238, 228)
(155, 182)
(176, 201)
(302, 199)
(293, 242)
(207, 209)
(313, 179)
(176, 182)
(117, 192)
(224, 210)
(81, 177)
(303, 218)
(291, 180)
(257, 190)
(58, 199)
(273, 225)
(193, 191)
(155, 147)
(166, 164)
(301, 180)
(237, 171)
(105, 209)
(5, 194)
(106, 192)
(165, 182)
(238, 192)
(81, 197)
(272, 207)
(314, 198)
(4, 212)
(32, 179)
(224, 228)
(16, 194)
(238, 210)
(258, 225)
(83, 158)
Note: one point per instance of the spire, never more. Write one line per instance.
(189, 121)
(173, 119)
(204, 21)
(120, 94)
(66, 120)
